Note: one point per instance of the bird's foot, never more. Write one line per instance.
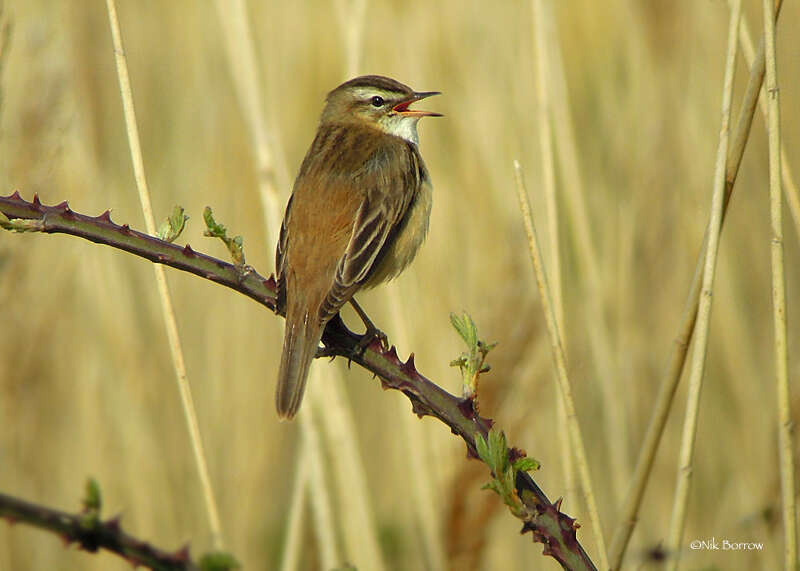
(369, 336)
(371, 332)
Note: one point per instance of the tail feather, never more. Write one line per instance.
(300, 342)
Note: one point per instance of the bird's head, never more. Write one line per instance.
(380, 102)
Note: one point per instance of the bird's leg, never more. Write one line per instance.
(372, 332)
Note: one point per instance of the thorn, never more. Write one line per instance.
(391, 352)
(557, 505)
(526, 527)
(125, 228)
(36, 202)
(105, 217)
(15, 196)
(113, 524)
(187, 251)
(467, 407)
(63, 205)
(409, 366)
(418, 408)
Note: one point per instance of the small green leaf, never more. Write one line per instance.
(213, 229)
(217, 230)
(493, 485)
(482, 448)
(173, 225)
(526, 464)
(494, 451)
(499, 451)
(472, 362)
(466, 328)
(508, 482)
(93, 500)
(219, 561)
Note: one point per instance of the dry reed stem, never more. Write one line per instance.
(789, 187)
(680, 345)
(296, 517)
(560, 365)
(703, 323)
(5, 42)
(549, 183)
(785, 444)
(351, 15)
(166, 302)
(356, 521)
(310, 462)
(596, 322)
(239, 47)
(417, 445)
(240, 50)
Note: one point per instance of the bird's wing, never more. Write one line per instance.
(280, 259)
(394, 180)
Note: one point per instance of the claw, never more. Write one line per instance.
(370, 335)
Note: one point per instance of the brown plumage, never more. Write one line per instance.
(357, 215)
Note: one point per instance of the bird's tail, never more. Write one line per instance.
(300, 341)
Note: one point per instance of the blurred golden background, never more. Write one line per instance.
(86, 382)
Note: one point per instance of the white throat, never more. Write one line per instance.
(405, 128)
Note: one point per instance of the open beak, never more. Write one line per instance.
(403, 109)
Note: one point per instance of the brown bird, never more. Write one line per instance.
(358, 214)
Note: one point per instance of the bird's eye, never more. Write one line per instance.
(377, 101)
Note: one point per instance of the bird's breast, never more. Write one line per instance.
(408, 238)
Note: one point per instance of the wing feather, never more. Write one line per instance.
(392, 170)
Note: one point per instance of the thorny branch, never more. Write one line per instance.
(540, 516)
(90, 533)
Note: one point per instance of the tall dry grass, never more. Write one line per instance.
(86, 381)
